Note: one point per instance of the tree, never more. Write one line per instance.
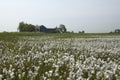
(83, 31)
(30, 28)
(24, 27)
(62, 28)
(21, 26)
(117, 30)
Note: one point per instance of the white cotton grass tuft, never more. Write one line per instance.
(1, 76)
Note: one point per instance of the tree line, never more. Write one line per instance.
(25, 27)
(116, 31)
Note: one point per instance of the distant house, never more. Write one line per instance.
(42, 28)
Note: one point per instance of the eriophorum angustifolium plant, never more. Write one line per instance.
(49, 58)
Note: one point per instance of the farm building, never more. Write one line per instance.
(42, 28)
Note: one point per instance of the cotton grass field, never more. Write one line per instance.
(39, 56)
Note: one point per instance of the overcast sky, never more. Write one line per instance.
(76, 15)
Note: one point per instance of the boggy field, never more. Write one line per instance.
(54, 57)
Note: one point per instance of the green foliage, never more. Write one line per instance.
(81, 32)
(24, 27)
(62, 28)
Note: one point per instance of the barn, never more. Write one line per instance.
(42, 28)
